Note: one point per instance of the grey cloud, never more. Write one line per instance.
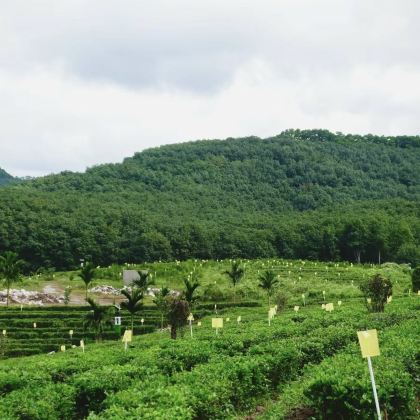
(84, 82)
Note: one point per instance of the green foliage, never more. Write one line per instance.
(133, 302)
(67, 295)
(281, 299)
(415, 279)
(87, 274)
(178, 311)
(343, 390)
(228, 375)
(144, 280)
(162, 303)
(190, 289)
(235, 273)
(5, 178)
(97, 318)
(268, 281)
(10, 270)
(378, 289)
(302, 194)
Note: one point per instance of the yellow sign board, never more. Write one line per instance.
(82, 344)
(271, 313)
(4, 332)
(389, 299)
(323, 306)
(128, 336)
(239, 319)
(329, 307)
(296, 308)
(369, 300)
(190, 317)
(227, 319)
(368, 341)
(199, 324)
(63, 348)
(217, 322)
(34, 324)
(71, 332)
(339, 303)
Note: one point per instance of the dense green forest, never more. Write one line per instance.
(302, 194)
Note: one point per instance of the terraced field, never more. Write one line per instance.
(292, 365)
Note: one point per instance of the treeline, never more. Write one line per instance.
(302, 194)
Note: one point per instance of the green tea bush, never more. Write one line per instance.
(342, 389)
(49, 402)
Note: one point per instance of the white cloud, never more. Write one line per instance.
(83, 83)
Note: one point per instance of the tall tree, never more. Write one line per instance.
(10, 270)
(268, 281)
(144, 281)
(235, 274)
(190, 289)
(97, 318)
(133, 304)
(161, 303)
(87, 274)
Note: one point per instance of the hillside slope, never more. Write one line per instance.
(311, 194)
(5, 178)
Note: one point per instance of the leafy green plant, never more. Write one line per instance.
(161, 303)
(235, 274)
(133, 302)
(87, 274)
(97, 318)
(378, 289)
(415, 279)
(178, 311)
(191, 287)
(268, 281)
(10, 270)
(67, 295)
(144, 280)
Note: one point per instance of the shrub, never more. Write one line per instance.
(280, 299)
(377, 288)
(50, 402)
(341, 389)
(415, 279)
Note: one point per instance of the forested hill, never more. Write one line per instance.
(308, 194)
(5, 178)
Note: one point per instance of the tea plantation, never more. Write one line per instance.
(305, 360)
(306, 364)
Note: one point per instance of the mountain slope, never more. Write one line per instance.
(309, 194)
(5, 178)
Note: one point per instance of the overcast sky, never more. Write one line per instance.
(84, 82)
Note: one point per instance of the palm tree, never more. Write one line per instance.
(161, 303)
(133, 303)
(87, 274)
(97, 318)
(235, 274)
(268, 281)
(144, 281)
(190, 288)
(10, 270)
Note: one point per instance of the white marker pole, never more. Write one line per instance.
(191, 328)
(375, 395)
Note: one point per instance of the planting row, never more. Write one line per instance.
(206, 376)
